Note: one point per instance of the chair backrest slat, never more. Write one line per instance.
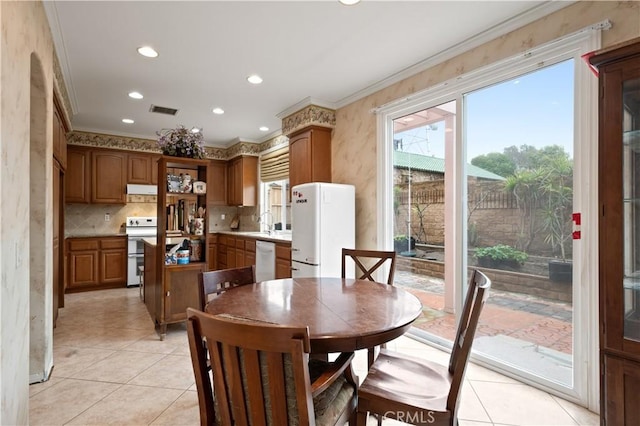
(362, 270)
(477, 294)
(259, 370)
(214, 283)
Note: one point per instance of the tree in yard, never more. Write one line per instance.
(495, 162)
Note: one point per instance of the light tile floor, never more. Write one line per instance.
(111, 368)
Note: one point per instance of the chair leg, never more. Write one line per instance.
(371, 356)
(361, 418)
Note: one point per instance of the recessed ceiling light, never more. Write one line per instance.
(264, 128)
(218, 111)
(136, 95)
(128, 121)
(148, 51)
(349, 2)
(254, 79)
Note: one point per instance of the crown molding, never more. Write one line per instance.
(308, 101)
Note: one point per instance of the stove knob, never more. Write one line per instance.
(130, 221)
(137, 223)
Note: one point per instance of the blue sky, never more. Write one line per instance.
(533, 109)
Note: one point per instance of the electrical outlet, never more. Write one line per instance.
(222, 216)
(107, 217)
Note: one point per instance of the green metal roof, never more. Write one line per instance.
(425, 163)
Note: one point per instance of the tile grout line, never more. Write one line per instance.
(479, 399)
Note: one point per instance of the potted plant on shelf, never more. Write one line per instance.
(181, 142)
(500, 256)
(557, 190)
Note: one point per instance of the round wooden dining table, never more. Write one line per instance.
(342, 314)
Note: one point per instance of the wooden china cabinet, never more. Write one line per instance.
(619, 232)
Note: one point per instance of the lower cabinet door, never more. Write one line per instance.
(113, 266)
(181, 291)
(83, 269)
(621, 390)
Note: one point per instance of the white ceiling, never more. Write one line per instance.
(321, 50)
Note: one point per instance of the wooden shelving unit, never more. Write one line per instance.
(177, 284)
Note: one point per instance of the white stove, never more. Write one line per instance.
(137, 228)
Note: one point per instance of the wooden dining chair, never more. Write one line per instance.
(261, 375)
(365, 267)
(363, 260)
(418, 391)
(214, 283)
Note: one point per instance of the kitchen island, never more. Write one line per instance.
(168, 295)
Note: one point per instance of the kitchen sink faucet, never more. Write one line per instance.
(263, 220)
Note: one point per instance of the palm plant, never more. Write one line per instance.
(557, 192)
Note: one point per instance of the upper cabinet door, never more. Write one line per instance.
(108, 180)
(217, 183)
(139, 169)
(310, 156)
(78, 176)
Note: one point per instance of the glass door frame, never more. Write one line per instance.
(585, 390)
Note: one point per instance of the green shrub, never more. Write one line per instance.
(502, 252)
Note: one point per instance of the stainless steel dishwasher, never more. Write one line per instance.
(265, 261)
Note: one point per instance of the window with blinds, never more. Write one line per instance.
(275, 165)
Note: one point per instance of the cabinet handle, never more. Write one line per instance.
(168, 293)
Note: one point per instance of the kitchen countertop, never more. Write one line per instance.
(95, 235)
(276, 236)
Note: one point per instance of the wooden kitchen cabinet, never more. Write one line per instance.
(139, 168)
(142, 168)
(213, 252)
(59, 133)
(240, 252)
(619, 233)
(96, 263)
(310, 155)
(231, 253)
(222, 252)
(242, 181)
(250, 252)
(78, 176)
(95, 175)
(83, 264)
(113, 260)
(108, 177)
(180, 292)
(57, 246)
(217, 183)
(283, 260)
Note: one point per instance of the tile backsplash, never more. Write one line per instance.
(88, 219)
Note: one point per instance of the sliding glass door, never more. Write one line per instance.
(487, 172)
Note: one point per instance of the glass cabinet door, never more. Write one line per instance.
(631, 194)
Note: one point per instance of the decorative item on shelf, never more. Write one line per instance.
(198, 222)
(195, 247)
(173, 183)
(183, 257)
(199, 187)
(181, 142)
(185, 182)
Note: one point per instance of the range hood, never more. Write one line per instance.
(133, 189)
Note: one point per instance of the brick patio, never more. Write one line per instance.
(528, 318)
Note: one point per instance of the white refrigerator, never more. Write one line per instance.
(322, 223)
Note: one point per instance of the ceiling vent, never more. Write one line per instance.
(163, 110)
